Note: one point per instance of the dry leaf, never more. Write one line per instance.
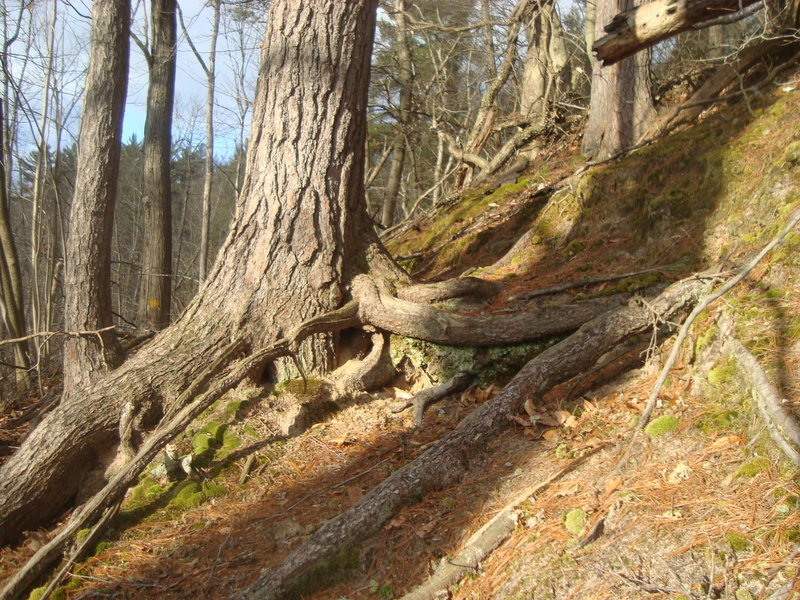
(341, 441)
(549, 434)
(530, 409)
(519, 420)
(612, 485)
(565, 418)
(423, 530)
(401, 394)
(568, 489)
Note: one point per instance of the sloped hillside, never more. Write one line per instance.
(702, 505)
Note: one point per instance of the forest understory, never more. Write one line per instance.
(583, 504)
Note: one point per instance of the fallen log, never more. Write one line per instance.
(651, 22)
(445, 463)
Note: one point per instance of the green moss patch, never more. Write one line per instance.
(191, 494)
(753, 467)
(575, 521)
(718, 420)
(737, 542)
(662, 426)
(721, 374)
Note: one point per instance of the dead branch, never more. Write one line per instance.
(446, 462)
(733, 17)
(484, 541)
(701, 306)
(88, 333)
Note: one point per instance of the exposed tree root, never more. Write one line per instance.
(192, 405)
(431, 395)
(781, 424)
(487, 538)
(528, 295)
(460, 287)
(380, 308)
(446, 462)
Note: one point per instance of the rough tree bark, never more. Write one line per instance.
(155, 296)
(88, 256)
(12, 301)
(546, 68)
(621, 104)
(299, 232)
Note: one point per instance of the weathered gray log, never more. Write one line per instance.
(445, 463)
(651, 22)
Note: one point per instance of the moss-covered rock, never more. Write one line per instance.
(191, 494)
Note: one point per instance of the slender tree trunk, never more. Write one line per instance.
(405, 80)
(42, 162)
(88, 260)
(488, 40)
(299, 233)
(621, 106)
(208, 178)
(156, 288)
(13, 306)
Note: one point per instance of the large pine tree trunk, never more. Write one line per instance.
(155, 296)
(299, 233)
(621, 104)
(88, 261)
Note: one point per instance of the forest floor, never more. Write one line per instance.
(702, 507)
